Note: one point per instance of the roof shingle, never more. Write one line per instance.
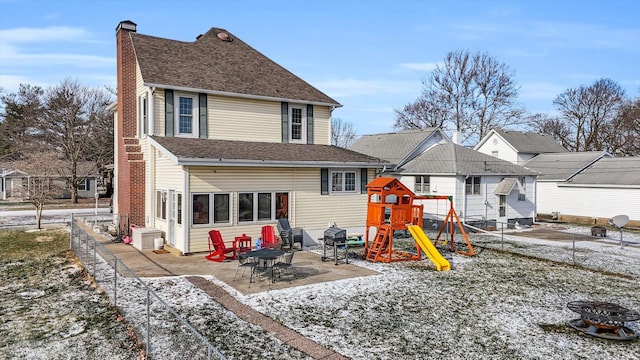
(212, 64)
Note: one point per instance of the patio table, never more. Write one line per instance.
(266, 256)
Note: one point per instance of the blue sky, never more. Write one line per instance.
(371, 56)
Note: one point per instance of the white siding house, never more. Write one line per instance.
(516, 146)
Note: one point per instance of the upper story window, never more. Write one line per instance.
(186, 122)
(297, 123)
(472, 185)
(422, 184)
(143, 114)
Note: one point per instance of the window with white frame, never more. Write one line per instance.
(161, 204)
(523, 183)
(83, 185)
(297, 123)
(143, 113)
(344, 181)
(502, 206)
(261, 206)
(211, 208)
(186, 113)
(472, 185)
(422, 184)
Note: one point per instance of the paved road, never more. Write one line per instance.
(54, 212)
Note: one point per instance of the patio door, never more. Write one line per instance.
(171, 218)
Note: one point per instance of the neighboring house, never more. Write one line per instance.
(590, 185)
(516, 146)
(14, 181)
(213, 134)
(484, 189)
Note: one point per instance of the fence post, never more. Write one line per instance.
(502, 235)
(95, 246)
(115, 281)
(148, 320)
(71, 236)
(574, 248)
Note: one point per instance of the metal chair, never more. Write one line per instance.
(283, 266)
(245, 262)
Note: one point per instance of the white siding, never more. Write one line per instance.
(602, 202)
(321, 125)
(496, 143)
(308, 208)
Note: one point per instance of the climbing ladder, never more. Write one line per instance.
(379, 244)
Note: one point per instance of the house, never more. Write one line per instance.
(589, 187)
(13, 182)
(517, 146)
(484, 189)
(213, 134)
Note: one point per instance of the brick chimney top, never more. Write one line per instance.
(126, 25)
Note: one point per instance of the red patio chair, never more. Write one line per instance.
(269, 238)
(218, 250)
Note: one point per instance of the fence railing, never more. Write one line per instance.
(164, 333)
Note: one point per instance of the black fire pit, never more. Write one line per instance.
(604, 320)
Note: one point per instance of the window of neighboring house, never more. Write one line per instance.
(178, 208)
(502, 208)
(297, 124)
(83, 185)
(262, 206)
(472, 185)
(143, 102)
(186, 115)
(494, 153)
(523, 182)
(343, 181)
(422, 184)
(161, 204)
(205, 205)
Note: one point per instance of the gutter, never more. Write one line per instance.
(245, 96)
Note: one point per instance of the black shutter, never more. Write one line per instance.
(309, 124)
(202, 101)
(364, 180)
(324, 181)
(168, 113)
(285, 121)
(88, 184)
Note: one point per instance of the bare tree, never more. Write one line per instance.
(342, 133)
(469, 93)
(622, 134)
(43, 183)
(73, 117)
(545, 124)
(590, 111)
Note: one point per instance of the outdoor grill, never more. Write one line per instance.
(334, 235)
(335, 238)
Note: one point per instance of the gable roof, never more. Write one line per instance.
(213, 64)
(452, 159)
(526, 142)
(611, 171)
(394, 146)
(563, 166)
(209, 152)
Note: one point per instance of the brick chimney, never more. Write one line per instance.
(130, 183)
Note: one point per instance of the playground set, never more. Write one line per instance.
(390, 207)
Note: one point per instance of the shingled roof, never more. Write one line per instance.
(192, 151)
(563, 166)
(393, 146)
(452, 159)
(624, 171)
(219, 62)
(531, 143)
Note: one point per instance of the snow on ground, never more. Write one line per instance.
(493, 306)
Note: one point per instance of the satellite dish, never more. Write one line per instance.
(620, 220)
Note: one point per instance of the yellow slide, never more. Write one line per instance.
(425, 244)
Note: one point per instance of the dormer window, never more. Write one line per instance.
(297, 123)
(186, 115)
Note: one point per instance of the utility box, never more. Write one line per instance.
(143, 238)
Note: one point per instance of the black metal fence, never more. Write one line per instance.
(165, 334)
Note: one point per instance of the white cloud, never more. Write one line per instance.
(37, 35)
(419, 66)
